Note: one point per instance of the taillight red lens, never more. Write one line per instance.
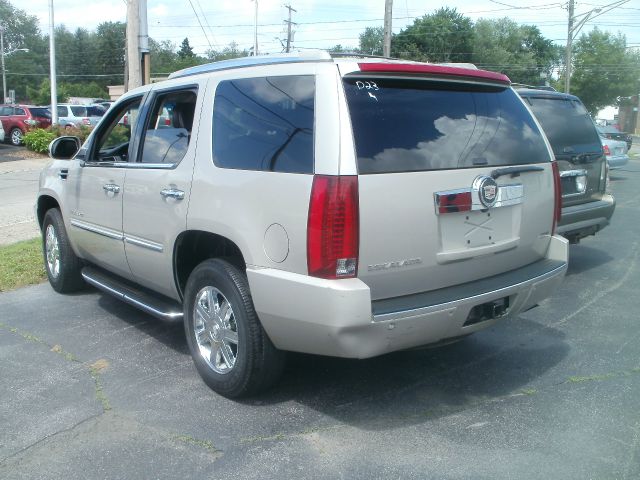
(332, 228)
(86, 121)
(605, 149)
(557, 194)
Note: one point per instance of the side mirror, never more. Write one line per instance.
(64, 148)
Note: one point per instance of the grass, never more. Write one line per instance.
(21, 264)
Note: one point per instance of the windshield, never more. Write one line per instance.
(415, 125)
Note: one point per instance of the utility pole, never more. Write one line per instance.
(573, 30)
(288, 22)
(133, 45)
(4, 76)
(255, 30)
(567, 70)
(144, 43)
(388, 10)
(52, 67)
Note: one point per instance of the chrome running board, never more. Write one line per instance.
(160, 307)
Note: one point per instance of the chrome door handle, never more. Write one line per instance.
(172, 193)
(111, 188)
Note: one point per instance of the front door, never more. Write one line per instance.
(95, 191)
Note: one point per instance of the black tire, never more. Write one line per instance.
(257, 363)
(15, 137)
(60, 261)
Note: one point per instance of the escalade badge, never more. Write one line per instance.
(487, 189)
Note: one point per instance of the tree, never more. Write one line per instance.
(371, 41)
(604, 69)
(21, 30)
(185, 50)
(519, 51)
(444, 36)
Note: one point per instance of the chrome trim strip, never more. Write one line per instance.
(169, 315)
(573, 173)
(402, 314)
(105, 232)
(135, 166)
(156, 247)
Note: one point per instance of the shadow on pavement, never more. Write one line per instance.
(583, 258)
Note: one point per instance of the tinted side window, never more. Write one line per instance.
(62, 111)
(79, 111)
(417, 125)
(169, 127)
(265, 124)
(6, 111)
(567, 125)
(19, 111)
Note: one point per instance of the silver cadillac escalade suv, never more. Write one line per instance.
(335, 206)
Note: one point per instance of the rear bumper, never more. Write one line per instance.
(337, 317)
(617, 161)
(586, 218)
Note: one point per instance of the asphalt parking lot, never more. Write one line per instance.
(93, 389)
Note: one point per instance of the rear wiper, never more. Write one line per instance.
(514, 171)
(580, 157)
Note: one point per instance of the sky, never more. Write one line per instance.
(320, 24)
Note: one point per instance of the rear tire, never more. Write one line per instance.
(60, 261)
(15, 137)
(230, 349)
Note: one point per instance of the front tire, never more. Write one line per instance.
(60, 261)
(230, 349)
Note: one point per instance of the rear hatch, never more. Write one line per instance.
(576, 145)
(455, 178)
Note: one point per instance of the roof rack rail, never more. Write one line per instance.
(359, 55)
(547, 88)
(246, 62)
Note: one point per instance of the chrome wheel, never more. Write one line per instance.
(52, 249)
(215, 329)
(16, 136)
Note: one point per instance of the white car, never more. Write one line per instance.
(615, 151)
(1, 133)
(76, 115)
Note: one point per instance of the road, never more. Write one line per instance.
(94, 389)
(18, 190)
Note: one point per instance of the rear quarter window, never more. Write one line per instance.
(265, 124)
(417, 125)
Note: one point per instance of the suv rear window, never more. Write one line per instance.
(415, 125)
(567, 124)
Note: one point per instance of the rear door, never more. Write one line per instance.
(576, 146)
(455, 180)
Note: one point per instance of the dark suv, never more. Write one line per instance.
(586, 206)
(17, 119)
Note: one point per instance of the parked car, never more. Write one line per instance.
(17, 119)
(586, 206)
(345, 207)
(76, 115)
(616, 152)
(615, 134)
(1, 133)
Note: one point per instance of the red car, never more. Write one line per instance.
(17, 119)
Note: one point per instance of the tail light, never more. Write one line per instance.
(30, 122)
(557, 195)
(606, 150)
(86, 121)
(333, 227)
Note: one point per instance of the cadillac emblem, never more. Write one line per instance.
(487, 189)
